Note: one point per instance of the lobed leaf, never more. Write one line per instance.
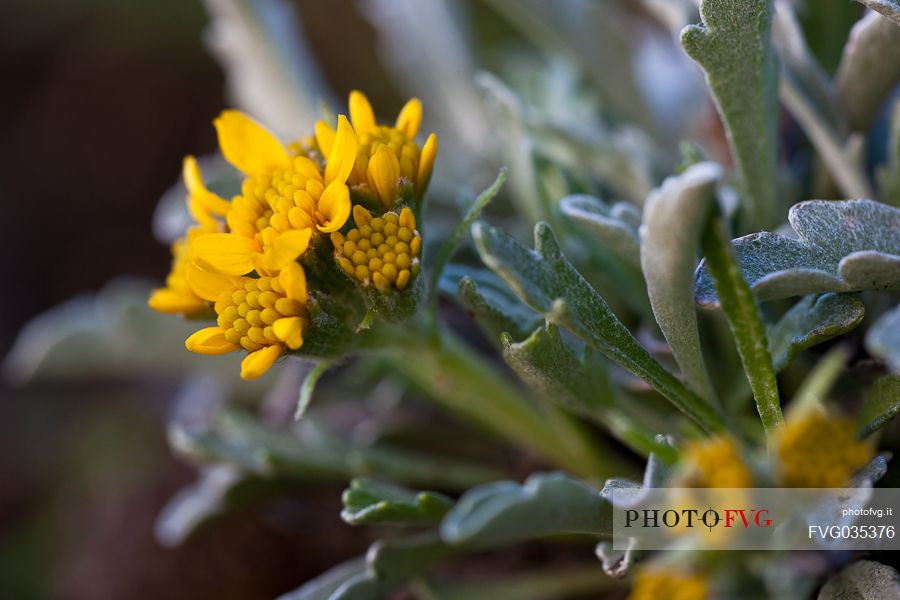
(674, 216)
(882, 404)
(868, 71)
(548, 283)
(546, 504)
(883, 339)
(489, 300)
(734, 50)
(842, 246)
(888, 8)
(863, 579)
(616, 226)
(369, 502)
(811, 321)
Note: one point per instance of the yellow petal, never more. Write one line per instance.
(324, 137)
(334, 206)
(361, 216)
(169, 301)
(361, 112)
(384, 174)
(343, 153)
(407, 218)
(257, 363)
(248, 145)
(290, 331)
(288, 247)
(293, 279)
(426, 164)
(410, 118)
(207, 284)
(202, 203)
(225, 252)
(210, 340)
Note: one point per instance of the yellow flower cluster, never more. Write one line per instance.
(380, 251)
(715, 462)
(816, 449)
(242, 257)
(658, 582)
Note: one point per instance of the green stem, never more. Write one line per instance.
(457, 378)
(746, 325)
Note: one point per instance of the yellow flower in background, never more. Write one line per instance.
(388, 157)
(208, 210)
(714, 462)
(669, 583)
(264, 316)
(381, 251)
(816, 449)
(284, 199)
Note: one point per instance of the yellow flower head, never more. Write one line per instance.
(381, 251)
(207, 209)
(658, 582)
(388, 157)
(819, 450)
(264, 316)
(715, 462)
(284, 199)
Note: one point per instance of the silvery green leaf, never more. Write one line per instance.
(494, 307)
(325, 585)
(807, 94)
(577, 381)
(270, 69)
(862, 580)
(547, 282)
(842, 246)
(387, 566)
(811, 321)
(546, 504)
(215, 493)
(616, 563)
(541, 583)
(745, 322)
(674, 217)
(889, 8)
(888, 175)
(733, 48)
(613, 225)
(114, 332)
(311, 452)
(867, 73)
(883, 339)
(882, 404)
(369, 502)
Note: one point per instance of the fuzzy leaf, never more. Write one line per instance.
(883, 339)
(488, 298)
(547, 282)
(888, 175)
(843, 246)
(674, 216)
(387, 566)
(734, 50)
(368, 502)
(813, 320)
(615, 226)
(745, 322)
(546, 504)
(882, 404)
(548, 364)
(311, 452)
(869, 69)
(862, 580)
(889, 8)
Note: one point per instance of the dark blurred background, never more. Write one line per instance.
(102, 99)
